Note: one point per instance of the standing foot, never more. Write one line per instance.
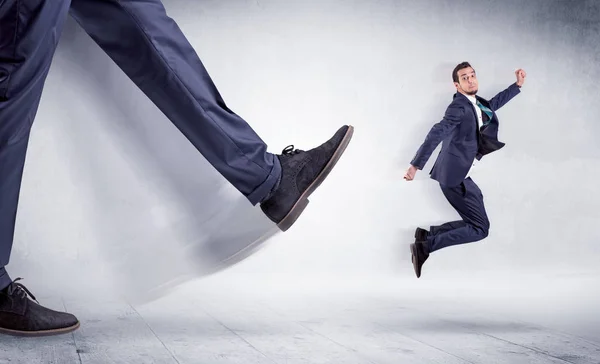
(20, 316)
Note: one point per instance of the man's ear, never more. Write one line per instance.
(456, 85)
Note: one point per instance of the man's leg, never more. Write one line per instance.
(467, 200)
(452, 225)
(29, 33)
(12, 162)
(151, 49)
(4, 277)
(422, 234)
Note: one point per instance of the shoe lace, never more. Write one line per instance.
(19, 290)
(289, 150)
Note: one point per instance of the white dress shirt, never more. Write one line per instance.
(480, 122)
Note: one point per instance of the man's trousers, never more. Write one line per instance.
(151, 49)
(467, 200)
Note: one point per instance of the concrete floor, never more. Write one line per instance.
(402, 323)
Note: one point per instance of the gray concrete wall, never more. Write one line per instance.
(114, 193)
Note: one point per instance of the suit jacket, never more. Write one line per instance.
(462, 140)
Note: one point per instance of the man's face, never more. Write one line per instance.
(467, 82)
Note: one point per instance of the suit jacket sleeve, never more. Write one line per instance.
(505, 96)
(452, 118)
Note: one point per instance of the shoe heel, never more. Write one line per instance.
(293, 215)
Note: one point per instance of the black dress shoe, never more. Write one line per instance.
(301, 173)
(419, 256)
(20, 316)
(421, 234)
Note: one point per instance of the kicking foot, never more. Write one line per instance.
(301, 173)
(20, 316)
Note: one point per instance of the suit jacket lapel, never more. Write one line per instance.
(465, 99)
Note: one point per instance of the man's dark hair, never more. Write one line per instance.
(459, 67)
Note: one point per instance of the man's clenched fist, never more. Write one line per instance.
(410, 173)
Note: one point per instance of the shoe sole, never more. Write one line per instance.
(19, 333)
(302, 202)
(413, 251)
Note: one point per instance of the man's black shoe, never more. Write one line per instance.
(20, 316)
(301, 173)
(419, 252)
(418, 257)
(421, 234)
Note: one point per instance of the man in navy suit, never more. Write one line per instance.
(468, 131)
(152, 51)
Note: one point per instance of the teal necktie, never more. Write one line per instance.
(487, 111)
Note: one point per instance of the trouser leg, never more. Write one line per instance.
(467, 199)
(29, 33)
(150, 48)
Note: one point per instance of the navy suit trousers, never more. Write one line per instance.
(151, 49)
(467, 200)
